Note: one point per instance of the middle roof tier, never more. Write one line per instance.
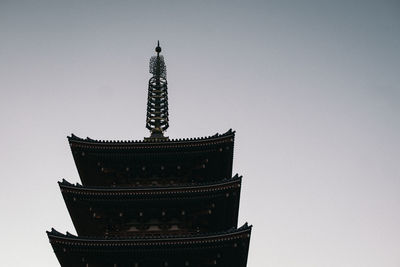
(120, 211)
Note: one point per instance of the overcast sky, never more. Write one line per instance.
(311, 87)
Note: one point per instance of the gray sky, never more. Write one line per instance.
(311, 87)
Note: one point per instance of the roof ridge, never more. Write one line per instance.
(234, 178)
(153, 237)
(74, 137)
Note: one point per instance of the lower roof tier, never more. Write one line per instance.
(229, 248)
(129, 211)
(158, 162)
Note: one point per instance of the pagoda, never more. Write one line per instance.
(156, 202)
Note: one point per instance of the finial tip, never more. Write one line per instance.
(158, 48)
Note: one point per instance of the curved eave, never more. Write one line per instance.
(75, 141)
(215, 187)
(57, 238)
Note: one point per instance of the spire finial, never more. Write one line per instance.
(158, 48)
(157, 101)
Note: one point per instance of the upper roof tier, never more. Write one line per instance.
(228, 248)
(153, 162)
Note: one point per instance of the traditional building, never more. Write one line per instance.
(156, 202)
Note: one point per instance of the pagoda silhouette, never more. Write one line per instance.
(156, 202)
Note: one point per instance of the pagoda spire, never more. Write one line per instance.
(157, 101)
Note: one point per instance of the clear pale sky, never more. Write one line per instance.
(311, 87)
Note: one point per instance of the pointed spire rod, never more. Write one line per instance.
(158, 48)
(157, 100)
